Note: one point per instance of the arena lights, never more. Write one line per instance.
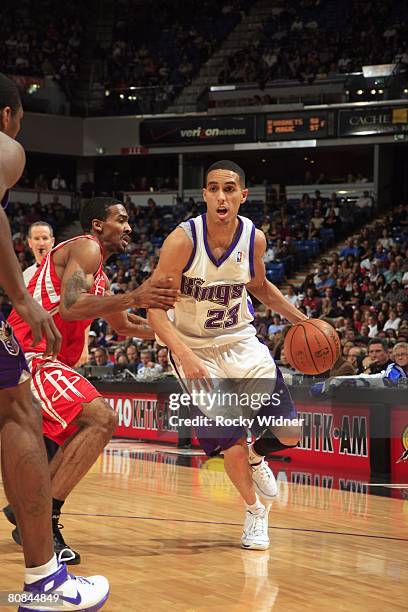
(359, 92)
(32, 88)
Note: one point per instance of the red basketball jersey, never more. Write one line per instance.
(45, 287)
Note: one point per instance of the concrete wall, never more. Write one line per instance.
(76, 136)
(52, 134)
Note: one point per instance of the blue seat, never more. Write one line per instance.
(313, 244)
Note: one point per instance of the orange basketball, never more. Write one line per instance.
(312, 346)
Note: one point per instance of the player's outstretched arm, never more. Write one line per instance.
(128, 324)
(82, 261)
(265, 291)
(12, 161)
(174, 255)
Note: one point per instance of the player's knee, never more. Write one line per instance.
(26, 412)
(289, 436)
(99, 414)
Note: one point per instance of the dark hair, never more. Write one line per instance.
(96, 208)
(40, 224)
(381, 341)
(226, 164)
(9, 94)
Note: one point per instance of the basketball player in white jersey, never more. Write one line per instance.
(214, 259)
(40, 240)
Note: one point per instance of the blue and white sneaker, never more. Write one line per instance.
(63, 592)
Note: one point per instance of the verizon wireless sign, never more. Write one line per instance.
(201, 130)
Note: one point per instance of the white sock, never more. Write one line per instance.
(253, 457)
(257, 507)
(32, 574)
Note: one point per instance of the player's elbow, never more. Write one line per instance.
(66, 313)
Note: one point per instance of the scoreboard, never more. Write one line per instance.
(297, 126)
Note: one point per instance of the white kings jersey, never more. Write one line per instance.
(215, 308)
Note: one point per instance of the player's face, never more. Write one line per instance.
(11, 122)
(223, 194)
(116, 230)
(40, 242)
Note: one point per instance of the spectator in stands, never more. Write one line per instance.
(147, 364)
(378, 356)
(312, 302)
(396, 293)
(349, 249)
(342, 367)
(291, 296)
(402, 311)
(399, 367)
(284, 364)
(163, 361)
(41, 183)
(393, 273)
(365, 201)
(101, 358)
(132, 355)
(393, 322)
(317, 219)
(92, 341)
(355, 357)
(276, 326)
(58, 183)
(332, 221)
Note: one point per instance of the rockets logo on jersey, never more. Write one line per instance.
(99, 284)
(7, 338)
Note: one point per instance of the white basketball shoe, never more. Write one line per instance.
(255, 535)
(262, 476)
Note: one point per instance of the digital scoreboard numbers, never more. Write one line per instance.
(290, 126)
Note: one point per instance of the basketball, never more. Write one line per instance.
(312, 346)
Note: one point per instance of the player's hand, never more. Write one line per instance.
(41, 324)
(195, 371)
(156, 294)
(143, 327)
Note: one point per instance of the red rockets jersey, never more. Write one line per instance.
(45, 287)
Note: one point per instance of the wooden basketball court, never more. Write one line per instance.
(168, 536)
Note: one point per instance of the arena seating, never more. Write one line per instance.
(43, 41)
(319, 38)
(161, 45)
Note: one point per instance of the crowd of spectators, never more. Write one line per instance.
(362, 288)
(312, 39)
(21, 216)
(337, 289)
(43, 39)
(162, 44)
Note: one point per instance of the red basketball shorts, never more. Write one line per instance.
(61, 391)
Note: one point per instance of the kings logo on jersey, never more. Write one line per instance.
(8, 339)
